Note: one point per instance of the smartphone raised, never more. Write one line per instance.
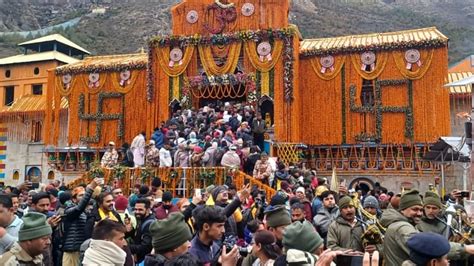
(197, 192)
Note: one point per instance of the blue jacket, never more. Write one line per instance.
(205, 254)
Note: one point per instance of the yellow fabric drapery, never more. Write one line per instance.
(426, 59)
(162, 55)
(266, 66)
(85, 82)
(379, 65)
(210, 66)
(115, 76)
(328, 75)
(175, 89)
(63, 90)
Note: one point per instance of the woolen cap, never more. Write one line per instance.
(421, 252)
(371, 201)
(409, 199)
(217, 190)
(301, 236)
(34, 226)
(121, 203)
(345, 202)
(432, 198)
(277, 216)
(170, 233)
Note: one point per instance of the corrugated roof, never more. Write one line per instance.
(106, 63)
(57, 38)
(453, 77)
(32, 103)
(374, 41)
(45, 56)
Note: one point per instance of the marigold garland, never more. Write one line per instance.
(115, 76)
(378, 109)
(404, 45)
(288, 68)
(221, 39)
(400, 62)
(266, 66)
(163, 56)
(379, 66)
(99, 117)
(210, 66)
(136, 65)
(62, 89)
(84, 79)
(329, 75)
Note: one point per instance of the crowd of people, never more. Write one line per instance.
(304, 223)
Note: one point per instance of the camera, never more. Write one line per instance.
(231, 241)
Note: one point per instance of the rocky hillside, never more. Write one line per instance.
(127, 24)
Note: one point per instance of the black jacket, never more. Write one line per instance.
(74, 223)
(141, 245)
(94, 217)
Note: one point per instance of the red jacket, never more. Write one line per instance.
(162, 213)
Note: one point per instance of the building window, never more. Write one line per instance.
(37, 89)
(36, 71)
(8, 73)
(36, 131)
(367, 96)
(51, 175)
(9, 95)
(16, 175)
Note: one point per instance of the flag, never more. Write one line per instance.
(334, 181)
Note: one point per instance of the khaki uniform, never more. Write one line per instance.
(341, 236)
(399, 230)
(17, 256)
(434, 226)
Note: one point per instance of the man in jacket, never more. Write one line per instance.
(9, 223)
(259, 127)
(166, 208)
(106, 245)
(171, 238)
(74, 222)
(432, 209)
(346, 231)
(104, 209)
(400, 226)
(141, 243)
(158, 137)
(328, 213)
(33, 239)
(209, 159)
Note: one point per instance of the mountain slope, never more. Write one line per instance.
(127, 24)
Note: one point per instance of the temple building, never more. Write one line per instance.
(369, 106)
(23, 85)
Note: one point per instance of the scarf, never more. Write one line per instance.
(101, 252)
(109, 215)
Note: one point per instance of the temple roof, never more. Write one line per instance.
(374, 41)
(105, 63)
(460, 89)
(31, 103)
(58, 38)
(38, 57)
